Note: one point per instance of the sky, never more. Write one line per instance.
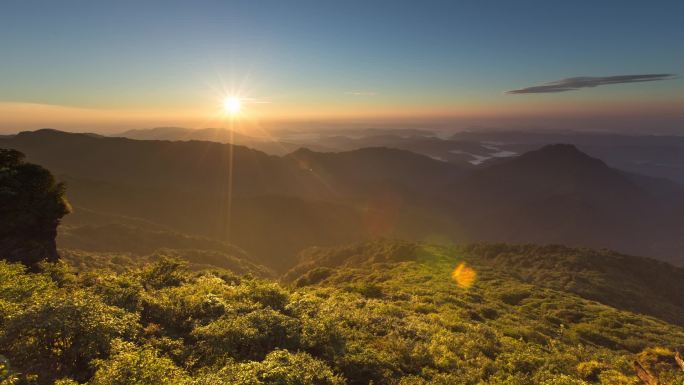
(106, 66)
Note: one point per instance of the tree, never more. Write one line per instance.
(31, 206)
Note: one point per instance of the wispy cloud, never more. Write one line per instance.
(254, 101)
(361, 93)
(572, 84)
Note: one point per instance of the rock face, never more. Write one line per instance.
(31, 206)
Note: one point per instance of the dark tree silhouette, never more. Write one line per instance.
(31, 206)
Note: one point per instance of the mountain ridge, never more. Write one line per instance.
(556, 194)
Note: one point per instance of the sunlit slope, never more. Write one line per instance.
(636, 284)
(386, 312)
(642, 285)
(419, 318)
(196, 260)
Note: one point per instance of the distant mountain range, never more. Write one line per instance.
(559, 194)
(265, 143)
(653, 155)
(281, 142)
(282, 204)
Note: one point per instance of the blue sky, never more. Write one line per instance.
(421, 57)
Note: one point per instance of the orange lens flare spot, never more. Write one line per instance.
(464, 276)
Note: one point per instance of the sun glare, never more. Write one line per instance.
(232, 105)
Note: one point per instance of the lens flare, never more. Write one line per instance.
(464, 276)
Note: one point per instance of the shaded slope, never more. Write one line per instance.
(398, 191)
(360, 170)
(560, 195)
(184, 166)
(275, 206)
(186, 186)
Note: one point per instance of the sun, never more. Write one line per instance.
(232, 105)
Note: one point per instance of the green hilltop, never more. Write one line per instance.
(381, 312)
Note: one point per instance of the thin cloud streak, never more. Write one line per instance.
(361, 93)
(255, 101)
(572, 84)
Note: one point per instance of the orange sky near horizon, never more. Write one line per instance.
(15, 117)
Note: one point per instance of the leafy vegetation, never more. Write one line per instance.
(197, 259)
(386, 312)
(31, 206)
(641, 285)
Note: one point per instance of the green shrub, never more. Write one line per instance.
(133, 365)
(279, 367)
(365, 365)
(247, 336)
(313, 277)
(590, 334)
(367, 289)
(514, 296)
(60, 334)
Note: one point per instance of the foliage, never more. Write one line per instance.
(59, 334)
(632, 283)
(128, 243)
(280, 367)
(247, 336)
(132, 365)
(394, 319)
(31, 206)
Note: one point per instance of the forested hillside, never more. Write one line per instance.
(389, 312)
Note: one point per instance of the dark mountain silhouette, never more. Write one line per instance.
(554, 170)
(540, 138)
(559, 194)
(187, 186)
(279, 205)
(461, 152)
(556, 194)
(283, 141)
(265, 143)
(186, 167)
(654, 155)
(368, 168)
